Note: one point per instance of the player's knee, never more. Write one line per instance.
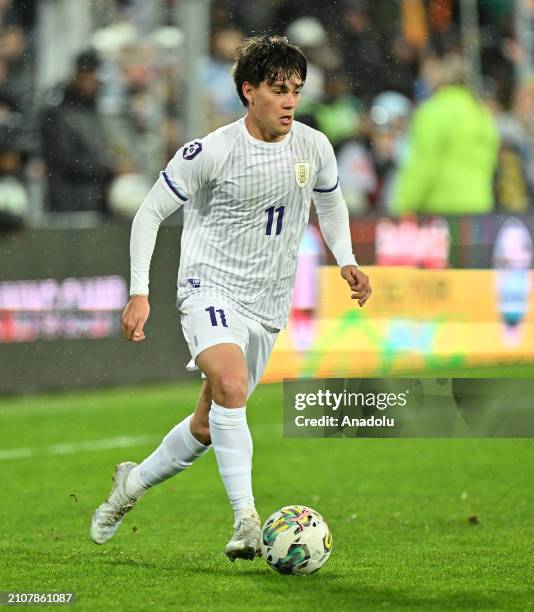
(229, 390)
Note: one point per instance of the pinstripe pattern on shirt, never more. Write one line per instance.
(245, 216)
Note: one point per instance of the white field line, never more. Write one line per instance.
(107, 443)
(76, 447)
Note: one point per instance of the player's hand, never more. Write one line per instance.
(134, 317)
(358, 282)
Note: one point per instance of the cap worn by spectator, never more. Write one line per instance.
(388, 107)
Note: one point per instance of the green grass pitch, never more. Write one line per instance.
(399, 512)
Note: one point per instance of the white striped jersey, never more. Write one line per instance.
(246, 204)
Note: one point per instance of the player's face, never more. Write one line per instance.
(272, 107)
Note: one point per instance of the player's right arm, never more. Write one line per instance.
(156, 207)
(189, 169)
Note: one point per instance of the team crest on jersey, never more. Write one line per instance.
(302, 173)
(192, 149)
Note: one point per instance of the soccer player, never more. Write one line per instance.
(246, 191)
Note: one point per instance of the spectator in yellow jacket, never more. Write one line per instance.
(452, 151)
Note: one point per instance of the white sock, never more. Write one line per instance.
(232, 443)
(176, 452)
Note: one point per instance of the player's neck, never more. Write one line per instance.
(256, 131)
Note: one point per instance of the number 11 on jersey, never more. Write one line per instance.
(270, 219)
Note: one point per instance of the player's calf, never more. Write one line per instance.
(200, 429)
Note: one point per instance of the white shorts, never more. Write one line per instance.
(207, 321)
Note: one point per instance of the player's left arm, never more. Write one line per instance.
(335, 228)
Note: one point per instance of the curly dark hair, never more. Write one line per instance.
(269, 58)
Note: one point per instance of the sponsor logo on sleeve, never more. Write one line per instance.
(192, 149)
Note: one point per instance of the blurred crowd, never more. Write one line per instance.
(413, 129)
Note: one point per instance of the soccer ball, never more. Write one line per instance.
(296, 540)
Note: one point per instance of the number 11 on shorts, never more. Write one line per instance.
(213, 316)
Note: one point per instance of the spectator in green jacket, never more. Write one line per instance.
(452, 151)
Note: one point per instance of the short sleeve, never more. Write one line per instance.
(192, 167)
(327, 177)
